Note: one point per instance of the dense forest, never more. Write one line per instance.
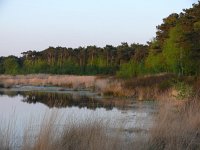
(175, 49)
(82, 61)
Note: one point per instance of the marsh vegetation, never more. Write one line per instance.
(174, 126)
(92, 93)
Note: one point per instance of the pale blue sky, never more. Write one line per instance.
(38, 24)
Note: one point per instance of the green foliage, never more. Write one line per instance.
(184, 90)
(91, 60)
(98, 61)
(39, 66)
(177, 56)
(155, 63)
(173, 53)
(1, 66)
(131, 69)
(197, 26)
(164, 85)
(175, 49)
(11, 65)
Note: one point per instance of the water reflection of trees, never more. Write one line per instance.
(62, 100)
(9, 93)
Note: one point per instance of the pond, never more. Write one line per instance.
(23, 104)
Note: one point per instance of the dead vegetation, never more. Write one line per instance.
(90, 135)
(45, 80)
(176, 127)
(141, 88)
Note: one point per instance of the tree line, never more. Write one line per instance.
(91, 60)
(175, 49)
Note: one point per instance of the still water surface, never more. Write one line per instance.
(26, 104)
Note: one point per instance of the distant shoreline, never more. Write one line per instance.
(153, 87)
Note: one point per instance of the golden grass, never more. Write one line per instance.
(42, 79)
(105, 85)
(90, 135)
(8, 135)
(140, 88)
(176, 127)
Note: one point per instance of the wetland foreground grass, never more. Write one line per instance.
(176, 127)
(52, 134)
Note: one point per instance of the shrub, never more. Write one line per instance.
(164, 85)
(131, 69)
(184, 90)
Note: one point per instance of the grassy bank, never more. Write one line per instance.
(177, 126)
(45, 80)
(149, 87)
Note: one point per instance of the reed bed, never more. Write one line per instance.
(176, 126)
(44, 79)
(141, 88)
(54, 134)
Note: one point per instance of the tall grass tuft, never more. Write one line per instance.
(54, 134)
(177, 126)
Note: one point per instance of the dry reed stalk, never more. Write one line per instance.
(177, 126)
(8, 135)
(57, 80)
(140, 88)
(90, 135)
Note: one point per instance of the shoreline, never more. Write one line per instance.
(153, 87)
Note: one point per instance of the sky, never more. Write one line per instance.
(37, 24)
